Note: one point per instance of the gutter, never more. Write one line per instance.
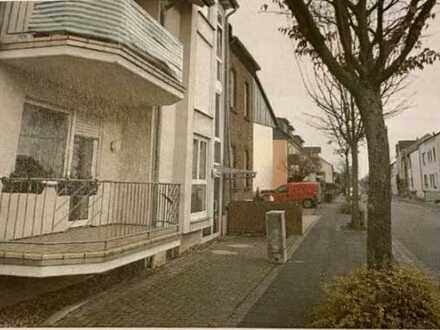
(227, 118)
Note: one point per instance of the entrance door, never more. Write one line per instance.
(82, 168)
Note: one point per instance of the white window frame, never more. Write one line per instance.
(198, 180)
(219, 57)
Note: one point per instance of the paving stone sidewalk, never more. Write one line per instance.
(201, 290)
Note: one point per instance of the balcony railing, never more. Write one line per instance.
(32, 208)
(121, 22)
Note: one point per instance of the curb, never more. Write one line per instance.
(54, 318)
(405, 257)
(257, 292)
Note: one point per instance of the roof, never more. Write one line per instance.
(299, 139)
(266, 99)
(230, 4)
(244, 55)
(403, 144)
(313, 150)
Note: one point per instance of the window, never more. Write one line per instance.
(42, 143)
(220, 43)
(246, 100)
(425, 179)
(199, 176)
(247, 165)
(433, 153)
(423, 158)
(282, 189)
(217, 152)
(217, 115)
(233, 89)
(206, 12)
(234, 165)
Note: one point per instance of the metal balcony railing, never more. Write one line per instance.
(35, 207)
(122, 22)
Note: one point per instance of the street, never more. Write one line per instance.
(416, 228)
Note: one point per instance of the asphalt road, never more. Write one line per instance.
(417, 228)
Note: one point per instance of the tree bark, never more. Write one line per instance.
(355, 214)
(379, 248)
(347, 177)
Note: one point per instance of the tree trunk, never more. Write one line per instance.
(379, 246)
(347, 177)
(355, 214)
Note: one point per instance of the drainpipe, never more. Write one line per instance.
(227, 118)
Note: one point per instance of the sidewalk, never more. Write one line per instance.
(201, 290)
(326, 252)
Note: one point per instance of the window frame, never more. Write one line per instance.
(247, 100)
(233, 89)
(197, 180)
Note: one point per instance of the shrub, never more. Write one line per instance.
(400, 297)
(345, 208)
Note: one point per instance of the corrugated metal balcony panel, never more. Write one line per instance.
(119, 21)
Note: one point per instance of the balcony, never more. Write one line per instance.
(113, 48)
(68, 227)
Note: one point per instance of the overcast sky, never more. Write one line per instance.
(282, 81)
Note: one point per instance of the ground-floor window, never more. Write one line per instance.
(199, 194)
(42, 143)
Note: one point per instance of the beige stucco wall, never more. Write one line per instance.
(263, 156)
(279, 163)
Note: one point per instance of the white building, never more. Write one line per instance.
(429, 153)
(109, 139)
(326, 171)
(264, 121)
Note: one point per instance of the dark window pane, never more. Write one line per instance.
(195, 158)
(198, 198)
(202, 160)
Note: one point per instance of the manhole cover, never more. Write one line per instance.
(224, 252)
(239, 246)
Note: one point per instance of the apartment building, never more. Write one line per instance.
(243, 68)
(429, 152)
(113, 129)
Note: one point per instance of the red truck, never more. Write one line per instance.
(306, 193)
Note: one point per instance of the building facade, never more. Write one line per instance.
(264, 122)
(243, 68)
(112, 138)
(429, 160)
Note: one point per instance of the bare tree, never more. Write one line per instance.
(365, 44)
(342, 123)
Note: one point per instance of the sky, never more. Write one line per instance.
(281, 78)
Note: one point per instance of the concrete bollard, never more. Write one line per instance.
(276, 236)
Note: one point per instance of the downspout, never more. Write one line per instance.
(227, 126)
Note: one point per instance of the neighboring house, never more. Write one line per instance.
(243, 68)
(326, 173)
(394, 173)
(414, 175)
(429, 154)
(264, 122)
(402, 166)
(313, 153)
(282, 135)
(111, 137)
